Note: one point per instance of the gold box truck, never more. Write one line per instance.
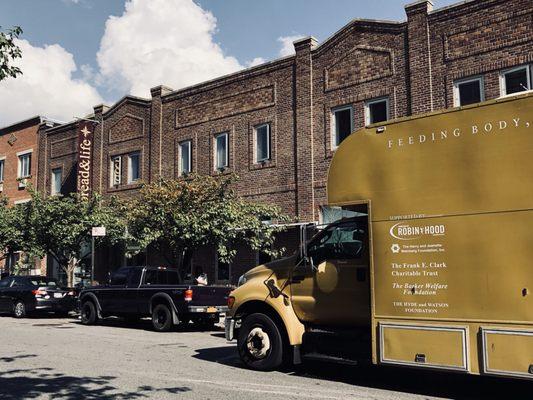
(431, 265)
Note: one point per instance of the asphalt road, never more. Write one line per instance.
(61, 359)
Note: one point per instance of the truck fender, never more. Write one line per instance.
(294, 328)
(168, 299)
(93, 297)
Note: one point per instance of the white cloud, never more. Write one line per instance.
(158, 42)
(287, 46)
(255, 61)
(46, 86)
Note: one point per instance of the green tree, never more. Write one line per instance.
(177, 216)
(9, 51)
(61, 225)
(11, 228)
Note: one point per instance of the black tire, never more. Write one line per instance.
(260, 343)
(89, 316)
(19, 309)
(162, 318)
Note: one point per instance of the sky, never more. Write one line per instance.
(80, 53)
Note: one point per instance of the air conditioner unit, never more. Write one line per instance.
(22, 183)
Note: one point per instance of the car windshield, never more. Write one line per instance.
(44, 282)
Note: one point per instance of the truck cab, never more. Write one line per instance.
(311, 292)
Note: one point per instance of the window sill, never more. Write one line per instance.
(123, 188)
(263, 165)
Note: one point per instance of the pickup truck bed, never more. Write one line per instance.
(138, 292)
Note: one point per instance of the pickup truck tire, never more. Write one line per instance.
(162, 318)
(89, 316)
(260, 343)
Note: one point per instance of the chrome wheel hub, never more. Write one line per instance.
(258, 343)
(19, 309)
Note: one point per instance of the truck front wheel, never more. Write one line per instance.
(260, 343)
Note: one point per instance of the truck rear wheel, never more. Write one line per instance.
(88, 313)
(161, 318)
(260, 343)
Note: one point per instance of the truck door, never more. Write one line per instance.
(333, 287)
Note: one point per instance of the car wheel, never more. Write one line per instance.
(260, 343)
(88, 313)
(19, 309)
(161, 318)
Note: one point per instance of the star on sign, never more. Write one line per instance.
(85, 131)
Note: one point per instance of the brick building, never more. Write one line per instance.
(277, 124)
(19, 169)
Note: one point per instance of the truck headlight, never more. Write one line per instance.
(242, 280)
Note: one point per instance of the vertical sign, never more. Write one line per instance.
(85, 158)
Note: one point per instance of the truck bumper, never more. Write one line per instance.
(229, 328)
(207, 309)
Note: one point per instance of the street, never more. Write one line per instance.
(59, 358)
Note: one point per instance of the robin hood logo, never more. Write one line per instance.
(403, 231)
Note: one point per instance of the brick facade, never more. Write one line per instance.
(413, 64)
(15, 140)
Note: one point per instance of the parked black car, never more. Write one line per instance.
(23, 295)
(157, 292)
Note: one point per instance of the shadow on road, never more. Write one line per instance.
(35, 382)
(146, 324)
(421, 382)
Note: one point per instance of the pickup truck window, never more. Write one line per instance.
(119, 277)
(161, 277)
(134, 277)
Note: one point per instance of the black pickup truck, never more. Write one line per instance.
(137, 292)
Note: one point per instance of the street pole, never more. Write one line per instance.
(92, 261)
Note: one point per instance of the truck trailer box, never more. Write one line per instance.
(450, 204)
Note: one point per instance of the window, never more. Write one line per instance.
(376, 111)
(161, 277)
(515, 80)
(343, 241)
(119, 277)
(262, 143)
(116, 171)
(342, 124)
(468, 91)
(223, 271)
(221, 151)
(134, 167)
(2, 163)
(56, 181)
(24, 168)
(184, 166)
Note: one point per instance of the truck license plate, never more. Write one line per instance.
(211, 309)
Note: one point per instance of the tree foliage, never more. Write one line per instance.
(59, 226)
(9, 51)
(14, 234)
(177, 216)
